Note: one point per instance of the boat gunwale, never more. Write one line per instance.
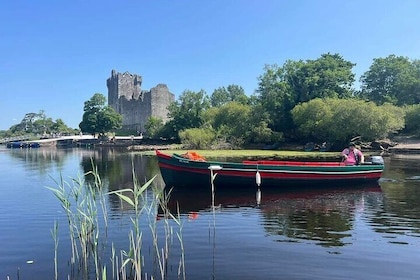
(177, 170)
(305, 166)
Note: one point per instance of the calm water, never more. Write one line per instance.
(370, 232)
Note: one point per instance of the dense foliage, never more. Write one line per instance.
(186, 112)
(280, 89)
(40, 125)
(304, 100)
(412, 119)
(198, 138)
(153, 127)
(394, 79)
(231, 93)
(338, 120)
(99, 117)
(312, 100)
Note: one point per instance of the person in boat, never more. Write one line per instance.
(352, 156)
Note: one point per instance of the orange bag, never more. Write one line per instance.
(194, 156)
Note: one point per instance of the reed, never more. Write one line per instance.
(134, 259)
(79, 203)
(54, 233)
(82, 202)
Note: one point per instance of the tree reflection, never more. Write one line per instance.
(398, 212)
(43, 159)
(116, 168)
(324, 216)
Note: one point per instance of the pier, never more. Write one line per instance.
(71, 141)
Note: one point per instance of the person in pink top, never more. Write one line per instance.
(352, 156)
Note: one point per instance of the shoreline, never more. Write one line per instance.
(400, 144)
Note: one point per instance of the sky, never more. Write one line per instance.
(55, 55)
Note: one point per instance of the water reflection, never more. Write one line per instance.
(114, 166)
(399, 214)
(117, 168)
(365, 228)
(325, 216)
(43, 159)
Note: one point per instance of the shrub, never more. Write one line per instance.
(197, 138)
(412, 119)
(338, 120)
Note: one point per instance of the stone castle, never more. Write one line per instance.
(135, 105)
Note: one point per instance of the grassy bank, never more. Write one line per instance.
(266, 154)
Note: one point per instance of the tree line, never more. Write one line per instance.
(300, 101)
(38, 124)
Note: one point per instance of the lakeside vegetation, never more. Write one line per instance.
(262, 154)
(86, 209)
(301, 101)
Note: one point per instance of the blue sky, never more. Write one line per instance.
(54, 55)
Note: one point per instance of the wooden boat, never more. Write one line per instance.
(182, 171)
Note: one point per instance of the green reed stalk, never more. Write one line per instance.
(54, 233)
(79, 201)
(61, 193)
(162, 255)
(133, 257)
(181, 266)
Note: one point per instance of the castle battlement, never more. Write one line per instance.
(134, 104)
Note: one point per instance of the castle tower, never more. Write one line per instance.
(135, 105)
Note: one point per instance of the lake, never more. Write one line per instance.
(362, 232)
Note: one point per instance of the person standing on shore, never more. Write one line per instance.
(352, 156)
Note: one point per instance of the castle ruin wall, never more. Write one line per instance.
(135, 105)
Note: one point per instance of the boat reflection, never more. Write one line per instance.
(325, 216)
(200, 199)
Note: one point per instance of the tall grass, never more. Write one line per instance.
(79, 202)
(88, 236)
(54, 233)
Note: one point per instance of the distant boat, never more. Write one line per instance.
(19, 144)
(194, 171)
(12, 145)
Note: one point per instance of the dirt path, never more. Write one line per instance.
(406, 144)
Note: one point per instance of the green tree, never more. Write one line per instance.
(38, 123)
(27, 124)
(60, 127)
(153, 126)
(239, 124)
(98, 117)
(232, 122)
(197, 138)
(281, 88)
(108, 120)
(259, 130)
(339, 120)
(186, 112)
(313, 119)
(328, 76)
(224, 95)
(394, 79)
(275, 97)
(412, 119)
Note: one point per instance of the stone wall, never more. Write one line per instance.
(134, 104)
